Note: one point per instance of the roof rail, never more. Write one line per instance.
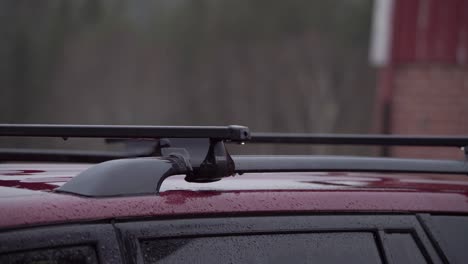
(228, 133)
(124, 177)
(291, 163)
(112, 178)
(359, 139)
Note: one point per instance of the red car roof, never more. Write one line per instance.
(26, 196)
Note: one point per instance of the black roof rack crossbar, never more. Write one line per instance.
(228, 133)
(245, 164)
(363, 139)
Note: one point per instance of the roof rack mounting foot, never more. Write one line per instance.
(216, 165)
(208, 159)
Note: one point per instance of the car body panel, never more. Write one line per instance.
(27, 197)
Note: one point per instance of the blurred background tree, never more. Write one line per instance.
(272, 65)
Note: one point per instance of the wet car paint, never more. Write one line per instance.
(260, 193)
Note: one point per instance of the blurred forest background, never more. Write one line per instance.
(272, 65)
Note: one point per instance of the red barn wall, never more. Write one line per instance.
(429, 62)
(430, 31)
(433, 100)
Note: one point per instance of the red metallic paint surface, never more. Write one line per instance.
(55, 208)
(279, 193)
